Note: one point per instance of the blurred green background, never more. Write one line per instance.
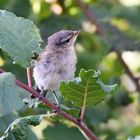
(117, 117)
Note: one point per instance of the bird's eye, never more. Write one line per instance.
(67, 40)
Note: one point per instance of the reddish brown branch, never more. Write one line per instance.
(81, 125)
(87, 11)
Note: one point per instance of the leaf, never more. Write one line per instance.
(9, 94)
(90, 89)
(68, 22)
(98, 114)
(19, 37)
(6, 120)
(62, 132)
(18, 130)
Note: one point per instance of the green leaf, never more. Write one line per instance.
(90, 89)
(6, 120)
(9, 94)
(98, 114)
(19, 37)
(18, 130)
(62, 132)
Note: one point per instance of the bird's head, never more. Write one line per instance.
(63, 39)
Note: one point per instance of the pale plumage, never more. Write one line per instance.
(57, 62)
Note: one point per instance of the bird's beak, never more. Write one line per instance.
(76, 33)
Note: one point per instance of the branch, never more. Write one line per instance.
(128, 71)
(89, 14)
(87, 11)
(81, 125)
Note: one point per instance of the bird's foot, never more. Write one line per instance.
(42, 94)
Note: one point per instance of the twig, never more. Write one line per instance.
(29, 77)
(128, 71)
(87, 11)
(81, 125)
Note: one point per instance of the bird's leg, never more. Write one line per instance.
(45, 93)
(57, 103)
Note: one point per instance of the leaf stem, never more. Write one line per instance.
(81, 125)
(29, 77)
(82, 114)
(84, 105)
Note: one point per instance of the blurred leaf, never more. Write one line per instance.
(20, 8)
(18, 130)
(120, 100)
(19, 38)
(111, 68)
(134, 138)
(90, 88)
(62, 132)
(117, 39)
(135, 131)
(67, 22)
(3, 3)
(6, 120)
(17, 70)
(123, 99)
(98, 114)
(9, 94)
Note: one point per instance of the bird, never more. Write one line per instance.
(57, 62)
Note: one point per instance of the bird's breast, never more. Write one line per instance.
(68, 66)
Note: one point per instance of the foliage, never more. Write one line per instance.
(18, 128)
(116, 117)
(90, 89)
(11, 27)
(70, 132)
(9, 93)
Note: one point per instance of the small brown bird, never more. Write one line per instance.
(57, 62)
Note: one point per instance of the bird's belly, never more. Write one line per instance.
(68, 72)
(47, 80)
(62, 74)
(51, 77)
